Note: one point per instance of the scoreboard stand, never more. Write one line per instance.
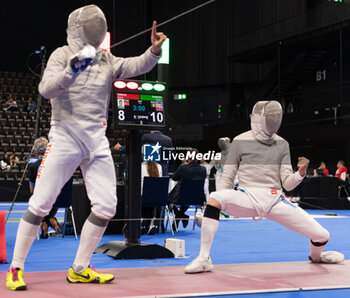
(137, 105)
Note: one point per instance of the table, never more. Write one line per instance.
(322, 192)
(82, 207)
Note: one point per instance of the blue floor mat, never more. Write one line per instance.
(237, 241)
(301, 294)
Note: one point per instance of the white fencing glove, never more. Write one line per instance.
(81, 61)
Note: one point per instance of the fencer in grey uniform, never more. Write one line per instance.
(261, 159)
(78, 80)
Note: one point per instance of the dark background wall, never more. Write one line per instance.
(199, 40)
(229, 53)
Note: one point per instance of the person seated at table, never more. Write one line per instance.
(191, 170)
(322, 170)
(150, 169)
(342, 171)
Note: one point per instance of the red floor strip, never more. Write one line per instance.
(171, 282)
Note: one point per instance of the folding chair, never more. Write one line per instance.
(155, 194)
(64, 200)
(191, 194)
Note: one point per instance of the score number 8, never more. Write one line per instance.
(121, 115)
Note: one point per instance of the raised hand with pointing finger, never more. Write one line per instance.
(157, 39)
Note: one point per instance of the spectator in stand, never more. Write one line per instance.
(5, 163)
(6, 158)
(322, 170)
(14, 161)
(342, 171)
(30, 105)
(150, 169)
(11, 104)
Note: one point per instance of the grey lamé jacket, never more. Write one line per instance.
(259, 165)
(262, 170)
(80, 101)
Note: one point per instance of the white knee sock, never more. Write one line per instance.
(209, 228)
(26, 234)
(90, 236)
(315, 251)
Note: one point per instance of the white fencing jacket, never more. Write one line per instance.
(80, 101)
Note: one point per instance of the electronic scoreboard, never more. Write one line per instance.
(139, 104)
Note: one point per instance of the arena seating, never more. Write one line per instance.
(17, 127)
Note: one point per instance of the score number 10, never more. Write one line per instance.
(156, 116)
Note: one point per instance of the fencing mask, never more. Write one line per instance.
(87, 23)
(224, 144)
(265, 120)
(40, 145)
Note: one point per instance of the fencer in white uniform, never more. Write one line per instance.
(261, 159)
(78, 80)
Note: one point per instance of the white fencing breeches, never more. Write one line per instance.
(237, 203)
(63, 156)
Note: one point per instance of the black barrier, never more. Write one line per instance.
(82, 208)
(322, 192)
(8, 190)
(80, 203)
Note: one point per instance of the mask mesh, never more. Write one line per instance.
(273, 116)
(94, 24)
(271, 112)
